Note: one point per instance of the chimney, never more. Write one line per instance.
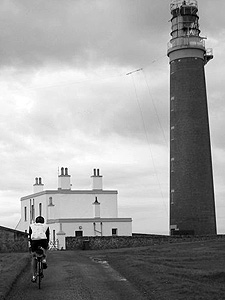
(38, 185)
(96, 180)
(64, 180)
(96, 208)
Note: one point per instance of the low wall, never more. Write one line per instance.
(13, 240)
(115, 242)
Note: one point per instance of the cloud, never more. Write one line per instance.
(97, 107)
(81, 33)
(66, 100)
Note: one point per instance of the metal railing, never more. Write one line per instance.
(209, 52)
(54, 245)
(186, 41)
(177, 3)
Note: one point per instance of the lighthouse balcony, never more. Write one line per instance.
(178, 3)
(186, 42)
(208, 55)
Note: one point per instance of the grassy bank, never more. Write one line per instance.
(174, 271)
(11, 265)
(184, 271)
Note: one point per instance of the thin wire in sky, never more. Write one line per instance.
(154, 106)
(102, 78)
(147, 138)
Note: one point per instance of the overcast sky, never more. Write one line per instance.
(66, 101)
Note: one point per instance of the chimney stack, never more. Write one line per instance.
(96, 180)
(38, 185)
(64, 180)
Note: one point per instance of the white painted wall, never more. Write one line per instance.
(34, 201)
(66, 210)
(81, 205)
(68, 205)
(123, 226)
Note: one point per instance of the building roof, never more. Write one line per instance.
(86, 220)
(60, 191)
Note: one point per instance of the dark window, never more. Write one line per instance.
(172, 133)
(172, 196)
(172, 164)
(32, 212)
(50, 201)
(172, 106)
(25, 213)
(79, 233)
(114, 231)
(40, 209)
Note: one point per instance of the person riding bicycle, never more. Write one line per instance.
(38, 237)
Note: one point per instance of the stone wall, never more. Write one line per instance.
(13, 240)
(138, 240)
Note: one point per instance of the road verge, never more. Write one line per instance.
(11, 266)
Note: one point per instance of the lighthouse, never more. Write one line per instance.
(192, 203)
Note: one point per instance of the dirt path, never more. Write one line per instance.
(71, 275)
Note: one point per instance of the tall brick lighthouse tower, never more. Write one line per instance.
(192, 205)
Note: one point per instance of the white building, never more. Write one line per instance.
(70, 212)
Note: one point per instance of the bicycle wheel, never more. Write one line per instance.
(39, 273)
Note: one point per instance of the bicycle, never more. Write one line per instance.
(39, 255)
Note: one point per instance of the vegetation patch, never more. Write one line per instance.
(11, 265)
(173, 271)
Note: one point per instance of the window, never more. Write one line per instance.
(114, 232)
(172, 133)
(50, 203)
(53, 236)
(40, 209)
(25, 213)
(172, 106)
(79, 233)
(172, 164)
(32, 212)
(172, 197)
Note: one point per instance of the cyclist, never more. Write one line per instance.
(38, 237)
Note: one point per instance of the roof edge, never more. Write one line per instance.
(46, 192)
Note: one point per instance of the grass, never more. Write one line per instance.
(190, 271)
(11, 265)
(174, 271)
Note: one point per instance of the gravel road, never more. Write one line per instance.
(71, 275)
